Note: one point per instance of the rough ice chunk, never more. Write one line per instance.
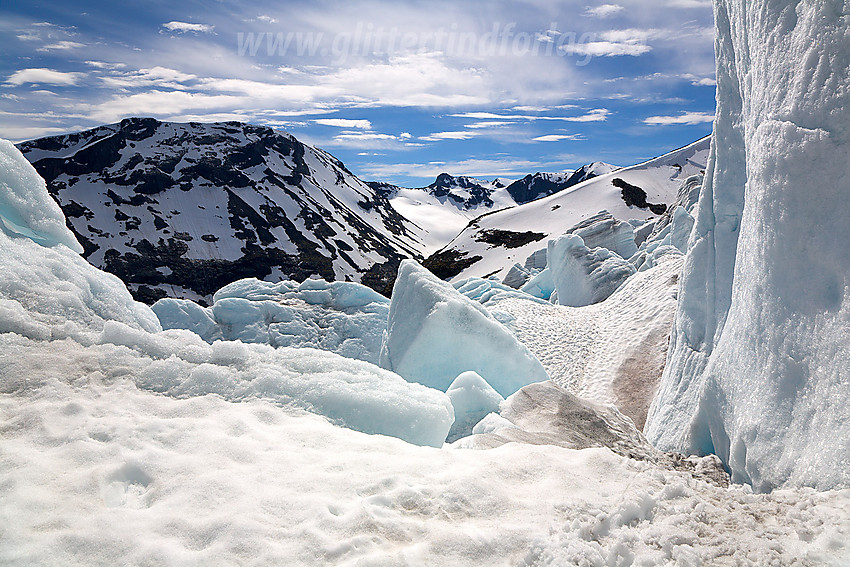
(434, 334)
(602, 230)
(185, 314)
(540, 285)
(759, 369)
(546, 414)
(25, 206)
(47, 290)
(351, 393)
(517, 276)
(537, 260)
(487, 292)
(342, 317)
(472, 399)
(583, 276)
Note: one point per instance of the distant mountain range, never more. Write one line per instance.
(182, 209)
(491, 244)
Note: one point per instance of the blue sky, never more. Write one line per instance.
(400, 91)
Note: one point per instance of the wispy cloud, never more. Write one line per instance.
(61, 45)
(595, 115)
(558, 137)
(457, 135)
(688, 118)
(183, 27)
(603, 10)
(613, 43)
(489, 124)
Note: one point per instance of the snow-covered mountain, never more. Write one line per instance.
(183, 209)
(491, 244)
(443, 209)
(539, 185)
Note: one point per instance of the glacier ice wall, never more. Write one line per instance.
(759, 364)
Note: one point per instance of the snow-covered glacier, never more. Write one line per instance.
(758, 370)
(63, 319)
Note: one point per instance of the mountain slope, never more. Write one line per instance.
(442, 209)
(492, 243)
(539, 185)
(183, 209)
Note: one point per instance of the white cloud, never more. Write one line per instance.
(267, 19)
(489, 123)
(595, 115)
(473, 167)
(183, 27)
(43, 77)
(21, 133)
(165, 104)
(603, 10)
(60, 45)
(105, 65)
(557, 137)
(158, 77)
(344, 123)
(369, 141)
(687, 118)
(437, 136)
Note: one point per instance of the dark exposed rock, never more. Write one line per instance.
(634, 196)
(447, 264)
(507, 238)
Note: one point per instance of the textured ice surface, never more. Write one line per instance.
(546, 414)
(351, 393)
(46, 289)
(758, 371)
(434, 334)
(472, 399)
(25, 206)
(342, 317)
(602, 230)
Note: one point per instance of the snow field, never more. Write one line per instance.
(99, 472)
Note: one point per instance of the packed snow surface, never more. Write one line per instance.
(612, 352)
(759, 371)
(99, 473)
(435, 333)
